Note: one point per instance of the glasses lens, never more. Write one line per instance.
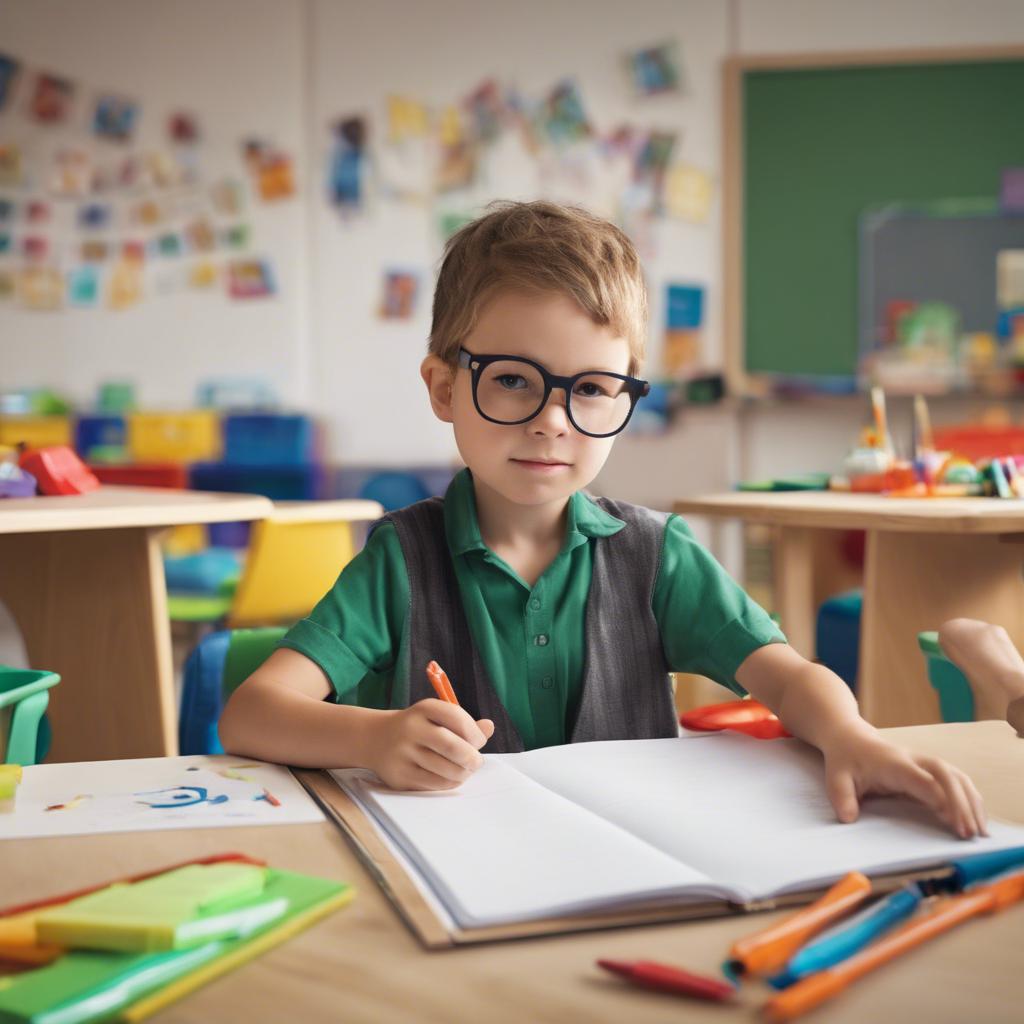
(509, 391)
(600, 403)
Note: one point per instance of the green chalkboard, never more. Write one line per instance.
(820, 145)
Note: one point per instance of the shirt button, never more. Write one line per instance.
(541, 639)
(547, 682)
(535, 604)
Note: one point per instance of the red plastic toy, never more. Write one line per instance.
(58, 470)
(746, 716)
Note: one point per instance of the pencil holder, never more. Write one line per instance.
(24, 695)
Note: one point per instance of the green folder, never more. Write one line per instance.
(88, 985)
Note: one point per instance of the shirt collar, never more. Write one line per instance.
(462, 528)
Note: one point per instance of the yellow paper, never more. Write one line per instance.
(125, 285)
(688, 193)
(203, 274)
(407, 119)
(450, 128)
(41, 288)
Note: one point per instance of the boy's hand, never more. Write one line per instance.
(430, 745)
(861, 763)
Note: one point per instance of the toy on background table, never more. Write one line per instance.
(15, 482)
(58, 470)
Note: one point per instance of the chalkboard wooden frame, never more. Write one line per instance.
(741, 381)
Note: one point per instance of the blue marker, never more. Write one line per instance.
(843, 942)
(982, 866)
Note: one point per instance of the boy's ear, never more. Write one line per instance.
(439, 378)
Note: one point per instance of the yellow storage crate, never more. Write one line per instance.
(35, 431)
(174, 436)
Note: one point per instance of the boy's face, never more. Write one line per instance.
(545, 459)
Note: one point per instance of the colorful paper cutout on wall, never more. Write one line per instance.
(226, 196)
(347, 164)
(564, 117)
(37, 211)
(183, 128)
(485, 107)
(655, 70)
(94, 216)
(236, 236)
(51, 99)
(8, 284)
(35, 248)
(115, 118)
(10, 165)
(271, 169)
(84, 285)
(407, 119)
(9, 68)
(72, 172)
(201, 235)
(125, 285)
(94, 251)
(684, 317)
(399, 299)
(688, 193)
(203, 274)
(250, 279)
(41, 288)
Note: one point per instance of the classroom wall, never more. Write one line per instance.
(238, 65)
(287, 70)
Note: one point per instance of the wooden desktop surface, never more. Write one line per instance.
(110, 507)
(362, 964)
(836, 510)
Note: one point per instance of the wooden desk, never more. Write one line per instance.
(83, 577)
(927, 561)
(362, 964)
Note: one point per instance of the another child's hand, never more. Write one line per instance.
(862, 764)
(430, 745)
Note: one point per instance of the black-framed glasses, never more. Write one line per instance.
(511, 390)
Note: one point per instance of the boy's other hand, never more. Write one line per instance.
(430, 745)
(861, 764)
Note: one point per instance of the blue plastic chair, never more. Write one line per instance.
(219, 664)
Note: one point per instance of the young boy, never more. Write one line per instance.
(557, 616)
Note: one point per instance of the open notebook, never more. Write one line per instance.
(604, 827)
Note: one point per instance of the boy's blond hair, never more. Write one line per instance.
(544, 247)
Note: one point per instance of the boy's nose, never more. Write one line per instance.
(553, 419)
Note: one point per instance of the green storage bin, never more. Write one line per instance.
(956, 699)
(24, 731)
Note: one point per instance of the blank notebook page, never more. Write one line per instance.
(751, 814)
(502, 848)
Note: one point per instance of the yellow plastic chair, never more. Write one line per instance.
(294, 558)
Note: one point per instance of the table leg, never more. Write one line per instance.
(914, 582)
(794, 587)
(92, 606)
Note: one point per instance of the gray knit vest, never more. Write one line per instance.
(626, 690)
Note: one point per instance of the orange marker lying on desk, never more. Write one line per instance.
(767, 951)
(816, 989)
(441, 684)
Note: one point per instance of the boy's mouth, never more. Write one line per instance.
(541, 465)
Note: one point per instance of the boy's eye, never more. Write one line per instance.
(511, 381)
(588, 389)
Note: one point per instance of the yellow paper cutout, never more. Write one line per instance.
(450, 129)
(125, 284)
(407, 119)
(41, 288)
(688, 193)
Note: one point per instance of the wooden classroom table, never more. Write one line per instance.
(362, 964)
(927, 560)
(83, 577)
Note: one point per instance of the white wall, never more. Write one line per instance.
(238, 64)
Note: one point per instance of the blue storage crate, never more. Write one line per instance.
(838, 634)
(99, 431)
(279, 483)
(268, 439)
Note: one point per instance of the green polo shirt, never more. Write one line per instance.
(357, 633)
